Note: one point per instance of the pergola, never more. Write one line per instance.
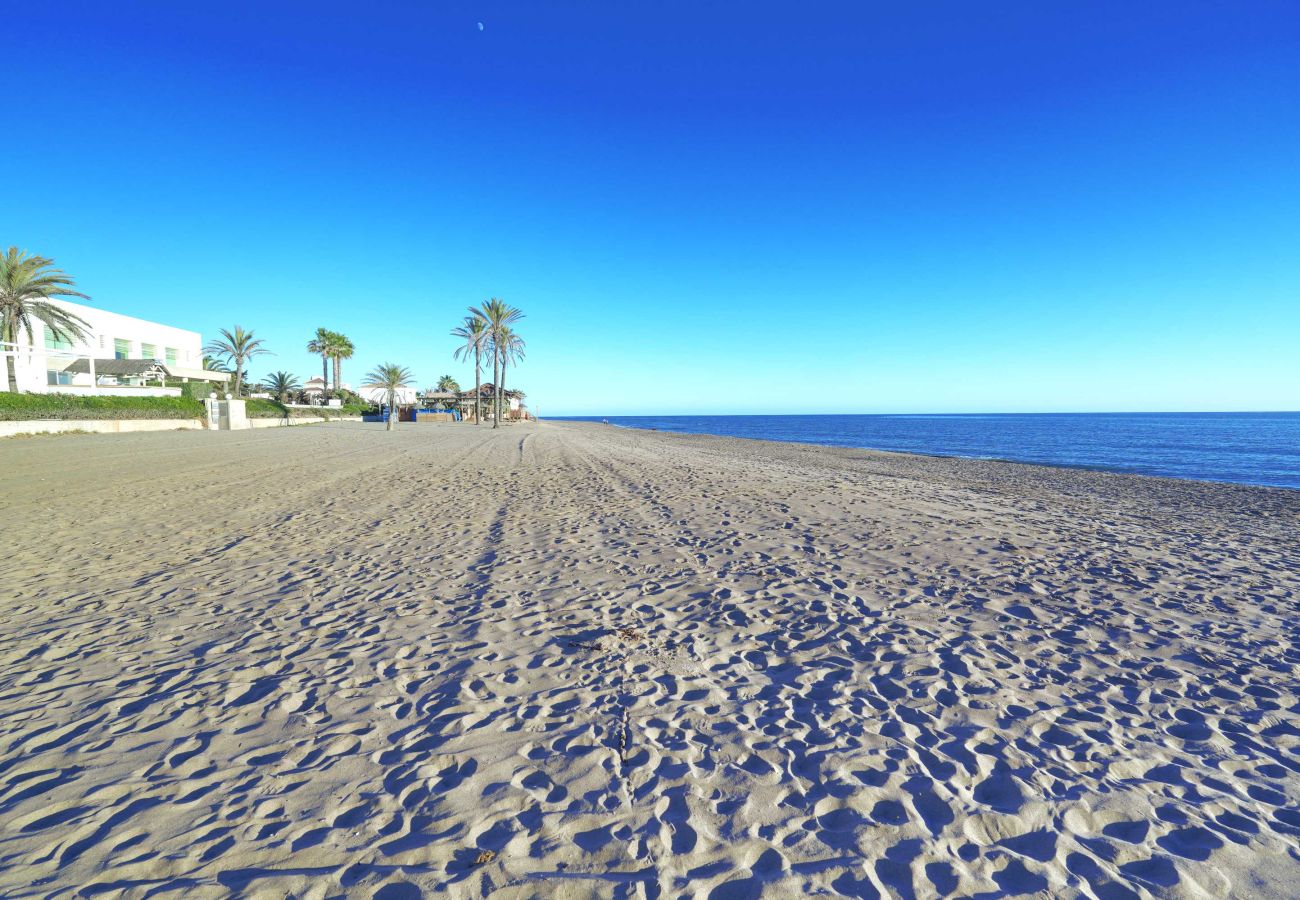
(145, 369)
(487, 393)
(464, 400)
(442, 398)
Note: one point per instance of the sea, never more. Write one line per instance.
(1246, 448)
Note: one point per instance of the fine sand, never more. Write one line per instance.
(574, 660)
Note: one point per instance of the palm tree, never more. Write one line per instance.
(512, 351)
(448, 385)
(280, 384)
(390, 378)
(321, 344)
(26, 285)
(340, 348)
(212, 364)
(498, 315)
(236, 348)
(474, 333)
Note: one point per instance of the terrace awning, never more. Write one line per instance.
(118, 367)
(143, 367)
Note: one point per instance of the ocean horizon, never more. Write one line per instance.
(1258, 448)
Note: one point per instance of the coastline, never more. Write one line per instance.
(565, 656)
(993, 470)
(1130, 452)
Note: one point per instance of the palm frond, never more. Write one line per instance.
(27, 283)
(389, 376)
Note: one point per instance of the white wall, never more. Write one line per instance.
(97, 426)
(313, 385)
(105, 328)
(379, 395)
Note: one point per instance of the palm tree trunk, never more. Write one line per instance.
(505, 401)
(478, 391)
(338, 371)
(324, 377)
(496, 389)
(9, 335)
(392, 409)
(239, 377)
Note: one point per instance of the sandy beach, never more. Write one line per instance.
(574, 660)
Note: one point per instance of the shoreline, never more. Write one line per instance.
(1097, 467)
(562, 656)
(986, 467)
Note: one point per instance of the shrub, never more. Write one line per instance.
(15, 407)
(270, 409)
(264, 409)
(200, 390)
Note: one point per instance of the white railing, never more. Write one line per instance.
(34, 365)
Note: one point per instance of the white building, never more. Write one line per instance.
(124, 354)
(405, 396)
(316, 386)
(313, 387)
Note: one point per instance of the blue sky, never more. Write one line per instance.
(757, 207)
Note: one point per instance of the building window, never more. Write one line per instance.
(149, 351)
(54, 342)
(121, 349)
(171, 356)
(54, 376)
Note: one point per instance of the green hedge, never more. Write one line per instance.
(200, 390)
(73, 406)
(270, 409)
(264, 409)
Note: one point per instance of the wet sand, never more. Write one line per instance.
(575, 660)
